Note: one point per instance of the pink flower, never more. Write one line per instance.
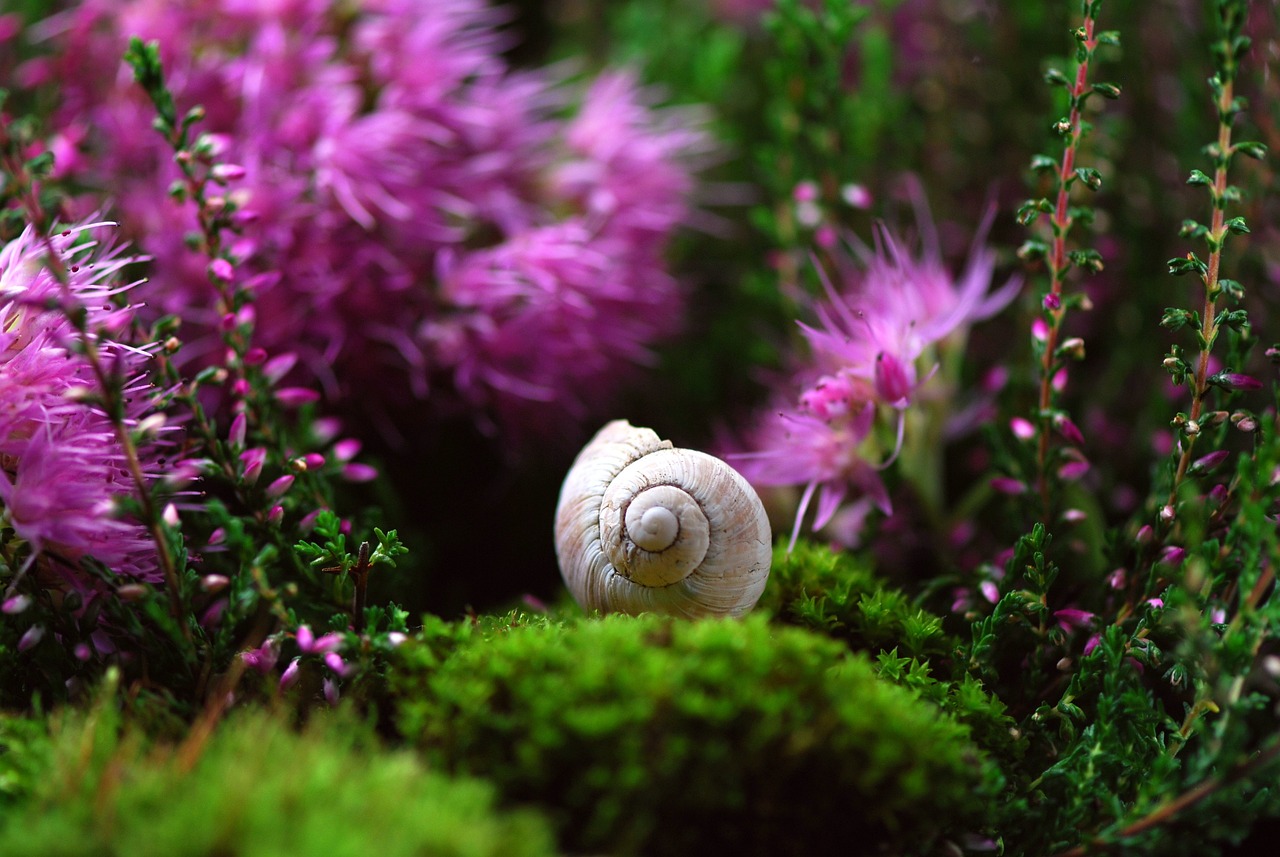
(62, 467)
(1070, 618)
(313, 645)
(369, 147)
(798, 448)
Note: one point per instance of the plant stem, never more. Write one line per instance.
(1058, 260)
(1209, 328)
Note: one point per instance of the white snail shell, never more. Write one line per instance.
(644, 527)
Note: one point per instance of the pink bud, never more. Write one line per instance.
(1210, 461)
(290, 675)
(33, 636)
(277, 367)
(1052, 301)
(214, 582)
(1022, 428)
(170, 515)
(1008, 485)
(275, 516)
(334, 661)
(1236, 381)
(1173, 555)
(893, 381)
(1068, 430)
(331, 691)
(1117, 578)
(990, 591)
(218, 536)
(313, 460)
(16, 604)
(292, 397)
(1070, 618)
(239, 428)
(1092, 643)
(856, 196)
(1039, 330)
(227, 172)
(346, 449)
(255, 356)
(280, 486)
(222, 269)
(805, 192)
(253, 459)
(1155, 603)
(82, 651)
(1073, 470)
(356, 472)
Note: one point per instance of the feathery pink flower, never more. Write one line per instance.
(62, 467)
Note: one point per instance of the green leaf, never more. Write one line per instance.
(1107, 90)
(1199, 178)
(1257, 151)
(1236, 226)
(1090, 177)
(1043, 163)
(1090, 260)
(1055, 77)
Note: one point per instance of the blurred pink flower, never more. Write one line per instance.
(414, 212)
(62, 467)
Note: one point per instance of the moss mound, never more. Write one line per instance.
(652, 736)
(258, 789)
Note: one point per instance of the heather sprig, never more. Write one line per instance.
(263, 445)
(1228, 49)
(1051, 349)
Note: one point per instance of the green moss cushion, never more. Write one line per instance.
(652, 736)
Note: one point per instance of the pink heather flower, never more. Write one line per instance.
(990, 591)
(1070, 618)
(1022, 428)
(15, 604)
(31, 638)
(62, 467)
(334, 661)
(798, 448)
(876, 344)
(1008, 485)
(280, 486)
(263, 659)
(313, 645)
(376, 148)
(290, 676)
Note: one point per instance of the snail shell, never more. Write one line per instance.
(644, 527)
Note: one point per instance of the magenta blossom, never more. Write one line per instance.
(416, 216)
(62, 465)
(880, 337)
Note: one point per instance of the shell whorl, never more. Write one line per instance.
(642, 526)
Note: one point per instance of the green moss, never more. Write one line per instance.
(646, 735)
(258, 788)
(840, 595)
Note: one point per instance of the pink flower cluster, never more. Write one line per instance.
(415, 215)
(62, 466)
(873, 350)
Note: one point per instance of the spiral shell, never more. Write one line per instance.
(644, 527)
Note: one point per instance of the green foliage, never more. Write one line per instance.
(647, 735)
(257, 788)
(839, 595)
(24, 755)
